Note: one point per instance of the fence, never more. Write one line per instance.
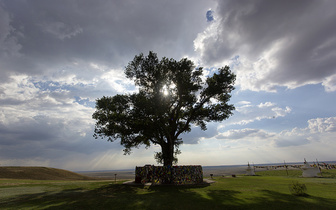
(177, 175)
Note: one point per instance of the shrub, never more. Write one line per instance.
(298, 189)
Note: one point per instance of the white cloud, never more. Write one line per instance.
(29, 109)
(117, 81)
(279, 112)
(245, 134)
(246, 112)
(329, 83)
(321, 125)
(319, 133)
(266, 104)
(319, 130)
(243, 103)
(282, 43)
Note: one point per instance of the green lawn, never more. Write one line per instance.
(269, 190)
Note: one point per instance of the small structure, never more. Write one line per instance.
(249, 170)
(309, 171)
(178, 175)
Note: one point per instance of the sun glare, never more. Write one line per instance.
(165, 91)
(170, 89)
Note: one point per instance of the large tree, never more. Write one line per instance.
(172, 96)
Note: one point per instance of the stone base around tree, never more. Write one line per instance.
(176, 175)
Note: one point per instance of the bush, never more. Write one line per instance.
(298, 189)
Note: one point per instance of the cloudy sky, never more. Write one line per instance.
(58, 57)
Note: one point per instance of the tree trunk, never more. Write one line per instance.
(168, 153)
(168, 158)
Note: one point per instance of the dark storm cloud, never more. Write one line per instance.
(298, 37)
(47, 137)
(41, 36)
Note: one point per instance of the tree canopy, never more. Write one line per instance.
(172, 96)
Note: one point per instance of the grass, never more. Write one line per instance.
(39, 173)
(291, 173)
(244, 192)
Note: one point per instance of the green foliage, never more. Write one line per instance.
(298, 189)
(171, 97)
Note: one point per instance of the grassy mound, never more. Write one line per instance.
(39, 173)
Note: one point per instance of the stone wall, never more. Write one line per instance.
(177, 175)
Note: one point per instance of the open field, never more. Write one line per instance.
(268, 190)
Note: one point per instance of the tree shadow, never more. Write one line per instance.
(275, 200)
(118, 196)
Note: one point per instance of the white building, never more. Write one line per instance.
(309, 171)
(249, 170)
